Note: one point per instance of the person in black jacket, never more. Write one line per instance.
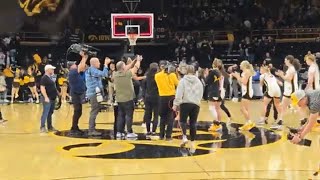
(151, 100)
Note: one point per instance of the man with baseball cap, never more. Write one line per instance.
(49, 92)
(306, 100)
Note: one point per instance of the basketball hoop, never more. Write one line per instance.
(133, 39)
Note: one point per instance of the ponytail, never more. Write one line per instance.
(252, 72)
(296, 64)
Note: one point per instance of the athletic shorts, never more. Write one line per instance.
(31, 84)
(16, 84)
(215, 99)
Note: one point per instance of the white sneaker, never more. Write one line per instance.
(235, 100)
(184, 141)
(261, 121)
(132, 135)
(119, 135)
(276, 127)
(192, 147)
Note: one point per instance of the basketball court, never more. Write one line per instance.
(258, 154)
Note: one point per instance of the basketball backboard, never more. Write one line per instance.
(122, 25)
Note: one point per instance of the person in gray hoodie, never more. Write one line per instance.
(188, 97)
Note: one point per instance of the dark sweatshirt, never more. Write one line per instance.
(152, 92)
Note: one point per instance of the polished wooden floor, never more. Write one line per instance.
(26, 154)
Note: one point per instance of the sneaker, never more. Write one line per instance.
(6, 101)
(262, 121)
(30, 100)
(192, 148)
(153, 133)
(277, 125)
(76, 132)
(2, 121)
(43, 130)
(148, 134)
(52, 129)
(216, 126)
(94, 133)
(119, 135)
(184, 141)
(235, 100)
(247, 126)
(132, 135)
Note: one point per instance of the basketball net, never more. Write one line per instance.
(133, 39)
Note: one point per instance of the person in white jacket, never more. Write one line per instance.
(188, 97)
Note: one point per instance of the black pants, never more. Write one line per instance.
(77, 100)
(225, 109)
(275, 112)
(166, 116)
(191, 111)
(115, 113)
(125, 116)
(151, 107)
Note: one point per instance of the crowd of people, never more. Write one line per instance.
(170, 91)
(242, 14)
(190, 47)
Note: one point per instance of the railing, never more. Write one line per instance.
(290, 33)
(281, 35)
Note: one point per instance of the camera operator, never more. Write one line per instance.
(94, 89)
(77, 91)
(167, 82)
(125, 94)
(306, 101)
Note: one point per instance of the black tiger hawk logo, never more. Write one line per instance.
(32, 7)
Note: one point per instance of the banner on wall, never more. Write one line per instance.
(91, 38)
